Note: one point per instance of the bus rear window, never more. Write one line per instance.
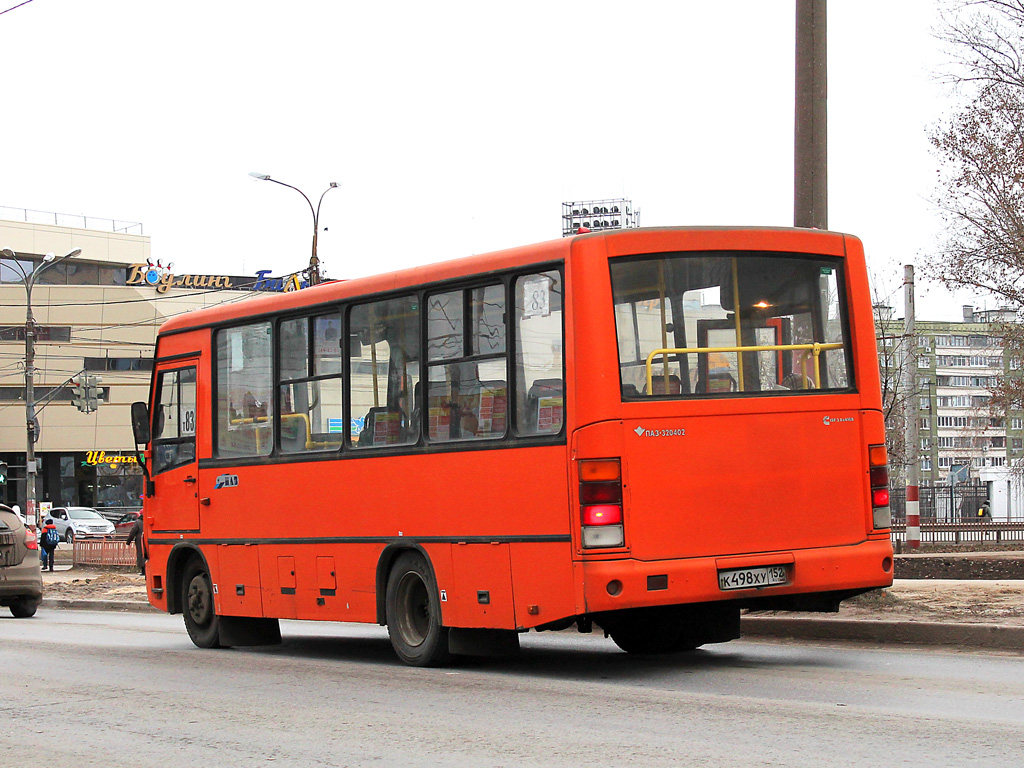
(729, 324)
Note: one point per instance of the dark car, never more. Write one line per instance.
(124, 524)
(21, 577)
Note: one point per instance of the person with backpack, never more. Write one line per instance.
(48, 541)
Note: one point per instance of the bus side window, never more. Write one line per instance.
(540, 377)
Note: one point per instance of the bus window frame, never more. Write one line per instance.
(513, 438)
(838, 262)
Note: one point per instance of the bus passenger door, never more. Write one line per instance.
(175, 473)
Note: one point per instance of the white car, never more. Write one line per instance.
(82, 522)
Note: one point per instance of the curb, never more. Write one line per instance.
(98, 605)
(971, 635)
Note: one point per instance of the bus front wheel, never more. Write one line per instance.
(201, 620)
(413, 611)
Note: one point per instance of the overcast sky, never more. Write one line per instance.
(458, 127)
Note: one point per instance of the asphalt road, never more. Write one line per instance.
(83, 688)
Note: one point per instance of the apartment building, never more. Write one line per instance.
(956, 365)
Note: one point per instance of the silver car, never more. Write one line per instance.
(21, 578)
(84, 522)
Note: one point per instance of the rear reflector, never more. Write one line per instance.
(879, 476)
(601, 493)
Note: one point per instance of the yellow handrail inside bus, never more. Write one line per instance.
(815, 349)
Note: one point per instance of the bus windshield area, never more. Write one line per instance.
(718, 324)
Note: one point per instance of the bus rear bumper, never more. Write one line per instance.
(835, 572)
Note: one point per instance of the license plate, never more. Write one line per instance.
(752, 578)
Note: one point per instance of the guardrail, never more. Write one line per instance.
(102, 552)
(936, 532)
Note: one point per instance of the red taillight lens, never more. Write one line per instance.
(31, 540)
(602, 514)
(880, 497)
(879, 476)
(601, 493)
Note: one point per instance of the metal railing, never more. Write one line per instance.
(961, 532)
(103, 552)
(69, 220)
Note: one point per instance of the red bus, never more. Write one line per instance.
(649, 430)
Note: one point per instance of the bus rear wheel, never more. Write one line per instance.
(201, 620)
(413, 612)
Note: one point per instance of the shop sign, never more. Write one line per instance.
(96, 458)
(161, 278)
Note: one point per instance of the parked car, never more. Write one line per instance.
(124, 524)
(84, 522)
(21, 577)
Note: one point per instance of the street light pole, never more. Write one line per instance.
(31, 427)
(314, 262)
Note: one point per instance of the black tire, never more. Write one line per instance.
(197, 606)
(24, 607)
(69, 536)
(413, 612)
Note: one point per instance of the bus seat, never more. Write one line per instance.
(382, 426)
(675, 385)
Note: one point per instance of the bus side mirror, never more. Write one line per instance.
(140, 423)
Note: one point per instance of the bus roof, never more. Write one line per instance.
(552, 250)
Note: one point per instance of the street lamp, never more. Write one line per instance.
(314, 263)
(32, 427)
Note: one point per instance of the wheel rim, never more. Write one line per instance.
(414, 605)
(199, 603)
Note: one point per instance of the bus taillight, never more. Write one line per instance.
(878, 458)
(601, 503)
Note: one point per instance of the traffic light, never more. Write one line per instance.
(85, 394)
(3, 473)
(78, 396)
(92, 399)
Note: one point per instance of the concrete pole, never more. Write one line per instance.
(910, 412)
(810, 155)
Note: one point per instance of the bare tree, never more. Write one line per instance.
(980, 150)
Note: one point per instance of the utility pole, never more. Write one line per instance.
(910, 412)
(810, 155)
(31, 424)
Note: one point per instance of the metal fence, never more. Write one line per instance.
(69, 220)
(940, 503)
(961, 532)
(103, 552)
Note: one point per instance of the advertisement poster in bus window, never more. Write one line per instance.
(387, 428)
(440, 419)
(491, 417)
(549, 414)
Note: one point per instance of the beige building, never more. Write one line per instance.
(97, 312)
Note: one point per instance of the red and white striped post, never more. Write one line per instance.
(911, 399)
(913, 517)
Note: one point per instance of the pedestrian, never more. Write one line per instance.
(135, 535)
(985, 512)
(48, 541)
